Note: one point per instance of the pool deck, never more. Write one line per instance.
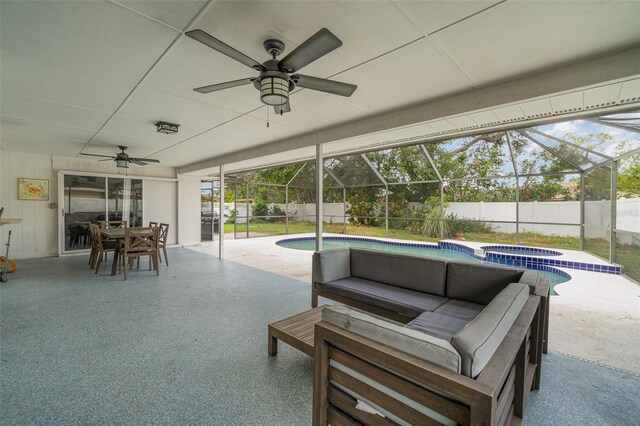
(595, 316)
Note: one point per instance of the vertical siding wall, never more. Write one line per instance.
(37, 236)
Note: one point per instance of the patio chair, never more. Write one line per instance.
(162, 240)
(113, 224)
(152, 224)
(140, 242)
(99, 248)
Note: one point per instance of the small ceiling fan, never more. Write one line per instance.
(276, 79)
(122, 159)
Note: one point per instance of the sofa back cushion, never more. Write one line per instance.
(412, 272)
(478, 283)
(478, 341)
(330, 265)
(390, 333)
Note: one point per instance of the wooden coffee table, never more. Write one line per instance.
(296, 331)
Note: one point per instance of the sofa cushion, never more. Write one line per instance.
(330, 265)
(401, 300)
(437, 325)
(460, 309)
(479, 340)
(412, 272)
(530, 278)
(478, 283)
(423, 346)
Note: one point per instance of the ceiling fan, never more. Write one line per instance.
(122, 159)
(276, 79)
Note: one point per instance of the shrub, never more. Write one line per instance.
(260, 209)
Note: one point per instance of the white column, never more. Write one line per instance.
(319, 194)
(221, 219)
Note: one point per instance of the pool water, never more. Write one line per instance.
(328, 243)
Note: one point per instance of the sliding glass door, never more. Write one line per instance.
(91, 199)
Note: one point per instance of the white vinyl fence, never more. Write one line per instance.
(564, 215)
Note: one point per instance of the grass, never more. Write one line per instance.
(626, 255)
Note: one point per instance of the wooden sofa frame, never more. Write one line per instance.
(542, 290)
(498, 396)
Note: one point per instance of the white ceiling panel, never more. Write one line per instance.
(254, 130)
(14, 128)
(25, 143)
(367, 29)
(521, 36)
(149, 106)
(312, 109)
(49, 112)
(191, 64)
(406, 76)
(177, 13)
(96, 36)
(434, 15)
(28, 76)
(199, 148)
(509, 113)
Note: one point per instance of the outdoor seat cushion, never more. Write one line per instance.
(421, 345)
(401, 300)
(437, 325)
(460, 309)
(416, 273)
(478, 341)
(478, 283)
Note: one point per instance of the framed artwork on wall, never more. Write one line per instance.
(33, 189)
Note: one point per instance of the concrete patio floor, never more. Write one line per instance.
(190, 347)
(595, 316)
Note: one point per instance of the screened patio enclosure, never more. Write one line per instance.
(572, 184)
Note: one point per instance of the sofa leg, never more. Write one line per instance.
(314, 296)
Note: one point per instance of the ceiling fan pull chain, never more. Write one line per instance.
(267, 115)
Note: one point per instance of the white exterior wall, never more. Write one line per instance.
(188, 209)
(37, 236)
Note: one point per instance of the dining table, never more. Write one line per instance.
(118, 234)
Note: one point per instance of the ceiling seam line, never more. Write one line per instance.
(467, 17)
(156, 62)
(144, 15)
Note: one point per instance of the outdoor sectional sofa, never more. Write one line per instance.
(431, 341)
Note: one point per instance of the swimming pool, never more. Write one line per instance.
(526, 251)
(437, 251)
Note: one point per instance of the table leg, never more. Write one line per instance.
(273, 346)
(116, 256)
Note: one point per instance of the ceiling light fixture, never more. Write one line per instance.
(122, 164)
(166, 128)
(274, 88)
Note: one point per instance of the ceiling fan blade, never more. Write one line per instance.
(107, 159)
(215, 44)
(281, 109)
(146, 160)
(98, 155)
(315, 47)
(222, 86)
(138, 162)
(324, 85)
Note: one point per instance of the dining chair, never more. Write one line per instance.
(105, 224)
(99, 248)
(162, 240)
(140, 242)
(152, 224)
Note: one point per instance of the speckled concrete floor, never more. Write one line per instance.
(189, 347)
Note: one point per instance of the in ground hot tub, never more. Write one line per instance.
(521, 250)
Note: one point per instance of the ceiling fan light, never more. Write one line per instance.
(122, 164)
(274, 91)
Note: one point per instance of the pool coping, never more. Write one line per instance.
(488, 256)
